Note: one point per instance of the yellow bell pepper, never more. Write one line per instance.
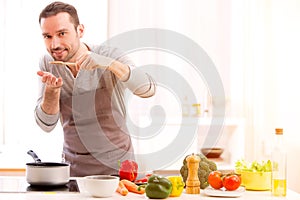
(177, 185)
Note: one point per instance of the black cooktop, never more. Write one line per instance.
(19, 184)
(69, 187)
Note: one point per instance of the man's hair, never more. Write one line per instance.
(58, 7)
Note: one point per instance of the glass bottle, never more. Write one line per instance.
(185, 107)
(279, 165)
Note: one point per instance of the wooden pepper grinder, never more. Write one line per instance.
(192, 182)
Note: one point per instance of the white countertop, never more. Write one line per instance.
(247, 195)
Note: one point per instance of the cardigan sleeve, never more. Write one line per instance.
(46, 122)
(139, 81)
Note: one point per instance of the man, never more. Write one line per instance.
(86, 94)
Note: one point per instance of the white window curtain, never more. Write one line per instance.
(254, 73)
(277, 69)
(254, 45)
(207, 23)
(264, 76)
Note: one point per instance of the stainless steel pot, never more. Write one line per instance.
(46, 173)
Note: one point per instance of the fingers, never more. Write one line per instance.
(40, 73)
(92, 61)
(50, 80)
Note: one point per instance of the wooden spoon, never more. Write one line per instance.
(62, 63)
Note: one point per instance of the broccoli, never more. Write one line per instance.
(212, 166)
(205, 167)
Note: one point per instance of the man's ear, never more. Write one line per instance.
(80, 30)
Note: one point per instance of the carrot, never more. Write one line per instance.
(132, 187)
(122, 189)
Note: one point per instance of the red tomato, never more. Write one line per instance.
(231, 182)
(215, 179)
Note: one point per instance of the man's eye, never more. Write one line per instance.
(62, 33)
(46, 36)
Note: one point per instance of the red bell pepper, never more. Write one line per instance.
(128, 170)
(144, 179)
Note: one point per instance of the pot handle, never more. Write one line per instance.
(34, 156)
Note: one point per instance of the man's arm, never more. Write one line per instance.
(135, 79)
(50, 102)
(145, 88)
(47, 110)
(121, 70)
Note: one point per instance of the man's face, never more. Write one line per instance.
(62, 40)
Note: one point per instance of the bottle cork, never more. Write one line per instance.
(192, 182)
(279, 131)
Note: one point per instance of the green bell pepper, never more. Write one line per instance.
(158, 187)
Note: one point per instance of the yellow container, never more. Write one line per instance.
(256, 180)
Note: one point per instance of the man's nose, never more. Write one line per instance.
(55, 42)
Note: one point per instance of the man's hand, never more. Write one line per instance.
(50, 80)
(50, 103)
(91, 61)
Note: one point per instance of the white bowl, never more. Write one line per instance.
(101, 185)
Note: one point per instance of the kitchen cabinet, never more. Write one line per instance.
(12, 171)
(231, 138)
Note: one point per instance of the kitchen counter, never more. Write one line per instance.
(63, 195)
(248, 195)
